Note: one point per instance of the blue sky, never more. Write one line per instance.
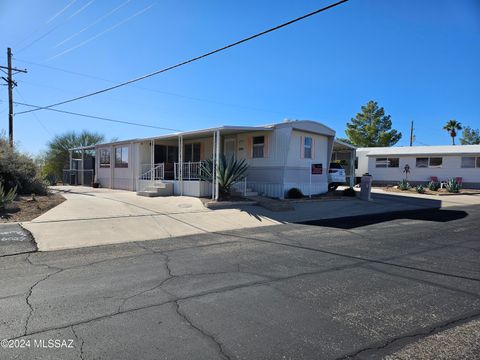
(418, 59)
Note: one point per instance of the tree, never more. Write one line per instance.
(470, 136)
(57, 156)
(451, 127)
(372, 128)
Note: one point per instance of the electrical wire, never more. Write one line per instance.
(190, 60)
(99, 117)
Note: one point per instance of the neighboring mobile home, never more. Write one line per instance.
(387, 164)
(279, 157)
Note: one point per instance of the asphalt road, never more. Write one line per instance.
(402, 286)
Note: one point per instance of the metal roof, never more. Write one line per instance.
(422, 150)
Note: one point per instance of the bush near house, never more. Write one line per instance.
(420, 189)
(6, 198)
(19, 171)
(403, 185)
(453, 186)
(294, 193)
(433, 186)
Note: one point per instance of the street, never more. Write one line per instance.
(393, 286)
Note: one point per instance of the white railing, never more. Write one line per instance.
(157, 173)
(241, 186)
(190, 170)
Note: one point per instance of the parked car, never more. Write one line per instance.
(336, 176)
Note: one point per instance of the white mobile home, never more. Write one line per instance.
(387, 164)
(279, 157)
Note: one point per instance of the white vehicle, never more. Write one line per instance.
(336, 176)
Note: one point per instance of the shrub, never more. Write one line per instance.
(433, 186)
(420, 189)
(349, 192)
(7, 198)
(403, 185)
(294, 193)
(453, 186)
(19, 171)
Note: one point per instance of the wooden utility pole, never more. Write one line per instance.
(10, 84)
(411, 134)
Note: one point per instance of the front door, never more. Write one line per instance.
(230, 145)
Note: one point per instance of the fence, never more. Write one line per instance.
(78, 177)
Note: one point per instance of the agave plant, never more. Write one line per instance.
(403, 185)
(433, 186)
(420, 189)
(7, 198)
(453, 186)
(229, 172)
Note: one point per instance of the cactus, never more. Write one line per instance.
(420, 189)
(403, 185)
(433, 186)
(453, 186)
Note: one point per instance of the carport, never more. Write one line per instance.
(345, 154)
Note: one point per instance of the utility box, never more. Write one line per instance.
(366, 187)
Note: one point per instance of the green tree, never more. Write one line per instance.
(372, 128)
(57, 156)
(452, 126)
(470, 136)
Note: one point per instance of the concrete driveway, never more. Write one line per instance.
(103, 216)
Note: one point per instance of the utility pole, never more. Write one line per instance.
(411, 134)
(10, 83)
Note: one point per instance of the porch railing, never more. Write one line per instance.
(157, 173)
(190, 170)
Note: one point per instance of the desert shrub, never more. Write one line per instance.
(294, 193)
(349, 192)
(403, 185)
(453, 186)
(420, 189)
(19, 171)
(433, 186)
(7, 198)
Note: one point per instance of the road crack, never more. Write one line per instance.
(79, 339)
(210, 337)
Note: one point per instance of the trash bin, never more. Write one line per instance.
(73, 178)
(366, 187)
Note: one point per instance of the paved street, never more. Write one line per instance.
(384, 286)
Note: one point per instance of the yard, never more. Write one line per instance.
(26, 208)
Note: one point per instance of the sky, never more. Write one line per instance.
(419, 59)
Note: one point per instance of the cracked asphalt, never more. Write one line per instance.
(406, 286)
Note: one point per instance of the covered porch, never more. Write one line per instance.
(345, 155)
(177, 159)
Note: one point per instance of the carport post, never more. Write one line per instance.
(180, 163)
(215, 164)
(152, 156)
(353, 156)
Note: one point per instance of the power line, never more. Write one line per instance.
(61, 11)
(240, 106)
(98, 117)
(93, 23)
(138, 13)
(192, 59)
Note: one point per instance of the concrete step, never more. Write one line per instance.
(149, 193)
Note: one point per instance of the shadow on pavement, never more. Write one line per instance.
(350, 222)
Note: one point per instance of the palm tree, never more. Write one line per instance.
(452, 126)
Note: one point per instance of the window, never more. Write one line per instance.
(381, 162)
(191, 152)
(387, 162)
(121, 157)
(422, 163)
(258, 146)
(104, 156)
(307, 147)
(468, 161)
(433, 162)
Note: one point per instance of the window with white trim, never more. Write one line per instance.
(429, 162)
(121, 157)
(387, 162)
(470, 162)
(258, 150)
(307, 147)
(104, 158)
